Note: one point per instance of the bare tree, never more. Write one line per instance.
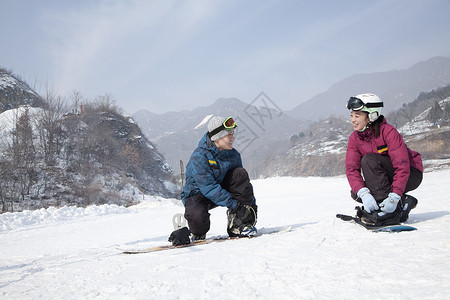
(436, 112)
(131, 157)
(407, 112)
(77, 101)
(22, 154)
(9, 186)
(446, 113)
(107, 103)
(75, 136)
(49, 127)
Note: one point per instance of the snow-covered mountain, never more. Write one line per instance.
(15, 92)
(266, 134)
(395, 87)
(285, 146)
(321, 150)
(93, 155)
(99, 157)
(262, 129)
(430, 136)
(318, 152)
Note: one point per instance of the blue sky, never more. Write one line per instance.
(176, 55)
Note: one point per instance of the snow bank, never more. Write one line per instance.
(52, 215)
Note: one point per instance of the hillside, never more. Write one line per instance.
(320, 150)
(399, 86)
(15, 92)
(262, 129)
(89, 156)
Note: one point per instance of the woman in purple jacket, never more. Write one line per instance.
(380, 168)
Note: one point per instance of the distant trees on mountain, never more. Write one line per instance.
(322, 153)
(425, 100)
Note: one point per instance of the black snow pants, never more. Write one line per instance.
(197, 207)
(378, 173)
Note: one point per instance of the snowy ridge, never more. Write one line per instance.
(332, 139)
(204, 121)
(420, 124)
(321, 147)
(73, 255)
(15, 92)
(9, 81)
(62, 181)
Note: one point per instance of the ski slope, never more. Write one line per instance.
(70, 253)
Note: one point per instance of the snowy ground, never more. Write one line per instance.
(71, 253)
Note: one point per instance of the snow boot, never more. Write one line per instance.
(195, 238)
(242, 220)
(409, 202)
(248, 230)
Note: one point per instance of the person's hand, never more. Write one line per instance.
(369, 202)
(390, 203)
(241, 211)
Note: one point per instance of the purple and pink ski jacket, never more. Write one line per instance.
(390, 142)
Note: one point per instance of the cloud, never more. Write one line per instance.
(125, 36)
(167, 53)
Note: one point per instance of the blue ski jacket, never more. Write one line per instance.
(206, 170)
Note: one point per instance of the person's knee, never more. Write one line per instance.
(239, 172)
(369, 159)
(240, 175)
(196, 215)
(198, 222)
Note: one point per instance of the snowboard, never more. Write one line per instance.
(371, 227)
(218, 239)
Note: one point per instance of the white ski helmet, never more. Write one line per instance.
(369, 103)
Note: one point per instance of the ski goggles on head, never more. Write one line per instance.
(228, 124)
(357, 104)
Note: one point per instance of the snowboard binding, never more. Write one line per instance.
(376, 220)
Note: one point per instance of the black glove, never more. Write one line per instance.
(241, 211)
(242, 214)
(245, 213)
(180, 237)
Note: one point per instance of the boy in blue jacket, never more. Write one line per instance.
(215, 177)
